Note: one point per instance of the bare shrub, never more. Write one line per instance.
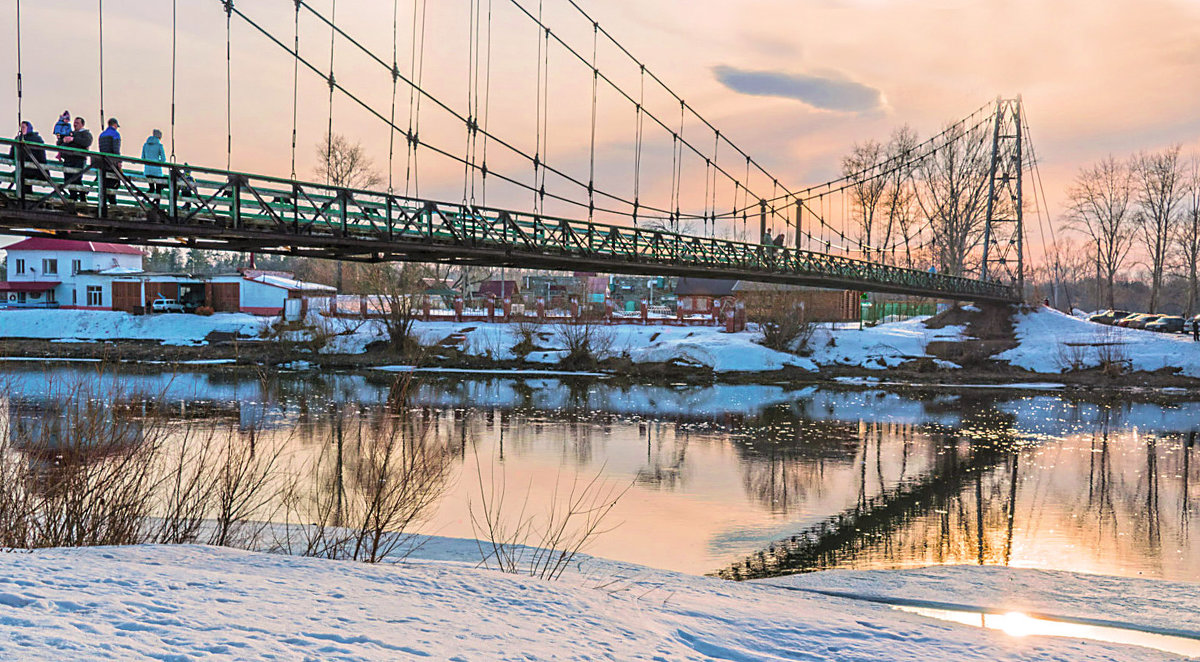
(585, 342)
(1112, 354)
(74, 470)
(781, 320)
(1072, 356)
(244, 477)
(372, 489)
(544, 544)
(528, 331)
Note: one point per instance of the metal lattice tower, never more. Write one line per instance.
(1004, 234)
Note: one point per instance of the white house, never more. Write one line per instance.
(58, 273)
(45, 271)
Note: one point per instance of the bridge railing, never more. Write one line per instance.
(381, 224)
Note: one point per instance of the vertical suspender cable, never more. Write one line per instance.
(295, 84)
(416, 65)
(174, 40)
(637, 153)
(228, 86)
(487, 98)
(20, 117)
(592, 149)
(100, 15)
(329, 134)
(395, 79)
(537, 152)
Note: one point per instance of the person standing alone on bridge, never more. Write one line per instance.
(75, 164)
(153, 151)
(110, 143)
(28, 158)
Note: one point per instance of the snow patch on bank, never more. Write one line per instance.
(90, 325)
(1054, 342)
(880, 347)
(138, 602)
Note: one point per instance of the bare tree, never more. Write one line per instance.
(1189, 233)
(344, 163)
(866, 186)
(1159, 192)
(898, 196)
(1100, 207)
(953, 196)
(399, 289)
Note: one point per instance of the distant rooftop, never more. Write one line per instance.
(54, 244)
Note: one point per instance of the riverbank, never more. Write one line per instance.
(140, 602)
(965, 345)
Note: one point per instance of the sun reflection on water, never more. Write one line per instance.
(1018, 624)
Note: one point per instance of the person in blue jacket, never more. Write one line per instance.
(153, 151)
(109, 143)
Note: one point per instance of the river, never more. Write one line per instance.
(755, 480)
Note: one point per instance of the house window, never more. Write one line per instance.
(76, 266)
(74, 297)
(49, 267)
(20, 266)
(95, 295)
(21, 297)
(50, 296)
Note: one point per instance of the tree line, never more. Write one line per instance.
(1141, 211)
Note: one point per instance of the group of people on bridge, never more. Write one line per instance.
(74, 134)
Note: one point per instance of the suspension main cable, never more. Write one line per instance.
(365, 106)
(624, 94)
(507, 145)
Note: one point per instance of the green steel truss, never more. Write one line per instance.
(224, 210)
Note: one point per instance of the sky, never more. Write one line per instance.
(794, 83)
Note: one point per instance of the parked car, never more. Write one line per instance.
(1140, 321)
(1109, 316)
(165, 305)
(1124, 321)
(1166, 324)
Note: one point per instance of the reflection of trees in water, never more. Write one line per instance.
(981, 496)
(954, 489)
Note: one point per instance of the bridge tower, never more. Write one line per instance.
(1004, 233)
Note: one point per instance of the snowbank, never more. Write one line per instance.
(190, 602)
(92, 325)
(1053, 342)
(880, 347)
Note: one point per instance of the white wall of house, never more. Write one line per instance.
(91, 291)
(65, 266)
(262, 299)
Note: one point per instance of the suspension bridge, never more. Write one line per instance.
(571, 222)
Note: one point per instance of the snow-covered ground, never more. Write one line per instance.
(1049, 341)
(879, 347)
(193, 602)
(1052, 342)
(98, 325)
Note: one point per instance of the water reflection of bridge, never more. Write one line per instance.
(963, 459)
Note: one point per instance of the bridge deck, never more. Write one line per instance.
(224, 210)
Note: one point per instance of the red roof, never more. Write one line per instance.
(52, 244)
(28, 286)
